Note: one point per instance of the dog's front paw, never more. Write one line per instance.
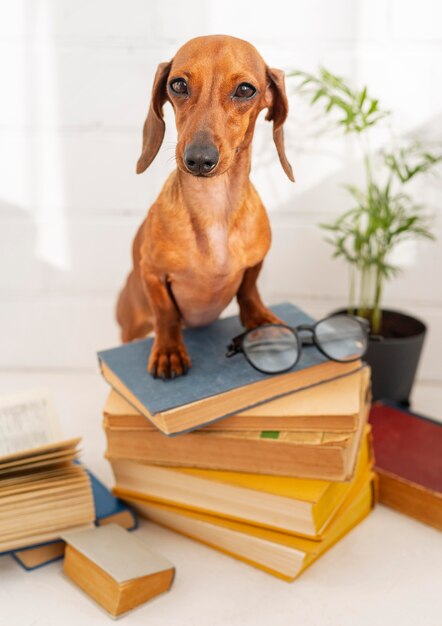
(168, 361)
(254, 317)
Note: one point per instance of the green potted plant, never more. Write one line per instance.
(383, 216)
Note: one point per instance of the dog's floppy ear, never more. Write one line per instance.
(154, 126)
(278, 107)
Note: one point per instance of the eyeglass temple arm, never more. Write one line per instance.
(364, 321)
(235, 346)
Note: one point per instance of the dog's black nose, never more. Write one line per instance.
(201, 159)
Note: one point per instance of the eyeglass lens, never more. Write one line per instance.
(271, 348)
(341, 337)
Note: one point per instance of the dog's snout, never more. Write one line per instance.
(201, 159)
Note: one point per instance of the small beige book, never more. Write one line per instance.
(115, 568)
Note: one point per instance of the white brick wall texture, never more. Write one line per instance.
(75, 83)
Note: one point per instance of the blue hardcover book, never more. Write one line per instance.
(215, 386)
(108, 509)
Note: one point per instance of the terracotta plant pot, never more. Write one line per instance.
(394, 356)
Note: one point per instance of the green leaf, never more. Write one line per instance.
(373, 106)
(362, 97)
(319, 94)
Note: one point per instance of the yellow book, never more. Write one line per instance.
(295, 505)
(280, 554)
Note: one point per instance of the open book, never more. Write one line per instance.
(42, 490)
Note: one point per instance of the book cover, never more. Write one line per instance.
(107, 505)
(122, 556)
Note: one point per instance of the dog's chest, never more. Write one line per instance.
(215, 249)
(210, 279)
(216, 258)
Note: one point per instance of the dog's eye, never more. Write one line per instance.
(244, 91)
(179, 86)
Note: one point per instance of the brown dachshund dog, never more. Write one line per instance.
(205, 237)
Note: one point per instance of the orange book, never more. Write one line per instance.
(326, 456)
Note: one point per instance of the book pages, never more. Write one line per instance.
(27, 420)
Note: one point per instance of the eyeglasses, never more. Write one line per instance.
(276, 348)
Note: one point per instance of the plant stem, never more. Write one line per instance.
(366, 273)
(368, 169)
(365, 150)
(369, 290)
(376, 314)
(351, 293)
(364, 291)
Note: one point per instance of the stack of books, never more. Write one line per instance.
(272, 470)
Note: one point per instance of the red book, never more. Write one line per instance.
(408, 459)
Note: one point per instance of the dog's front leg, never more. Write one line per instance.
(168, 357)
(252, 311)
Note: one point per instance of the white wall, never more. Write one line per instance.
(75, 81)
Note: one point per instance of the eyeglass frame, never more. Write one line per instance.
(236, 345)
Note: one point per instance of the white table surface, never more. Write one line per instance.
(388, 570)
